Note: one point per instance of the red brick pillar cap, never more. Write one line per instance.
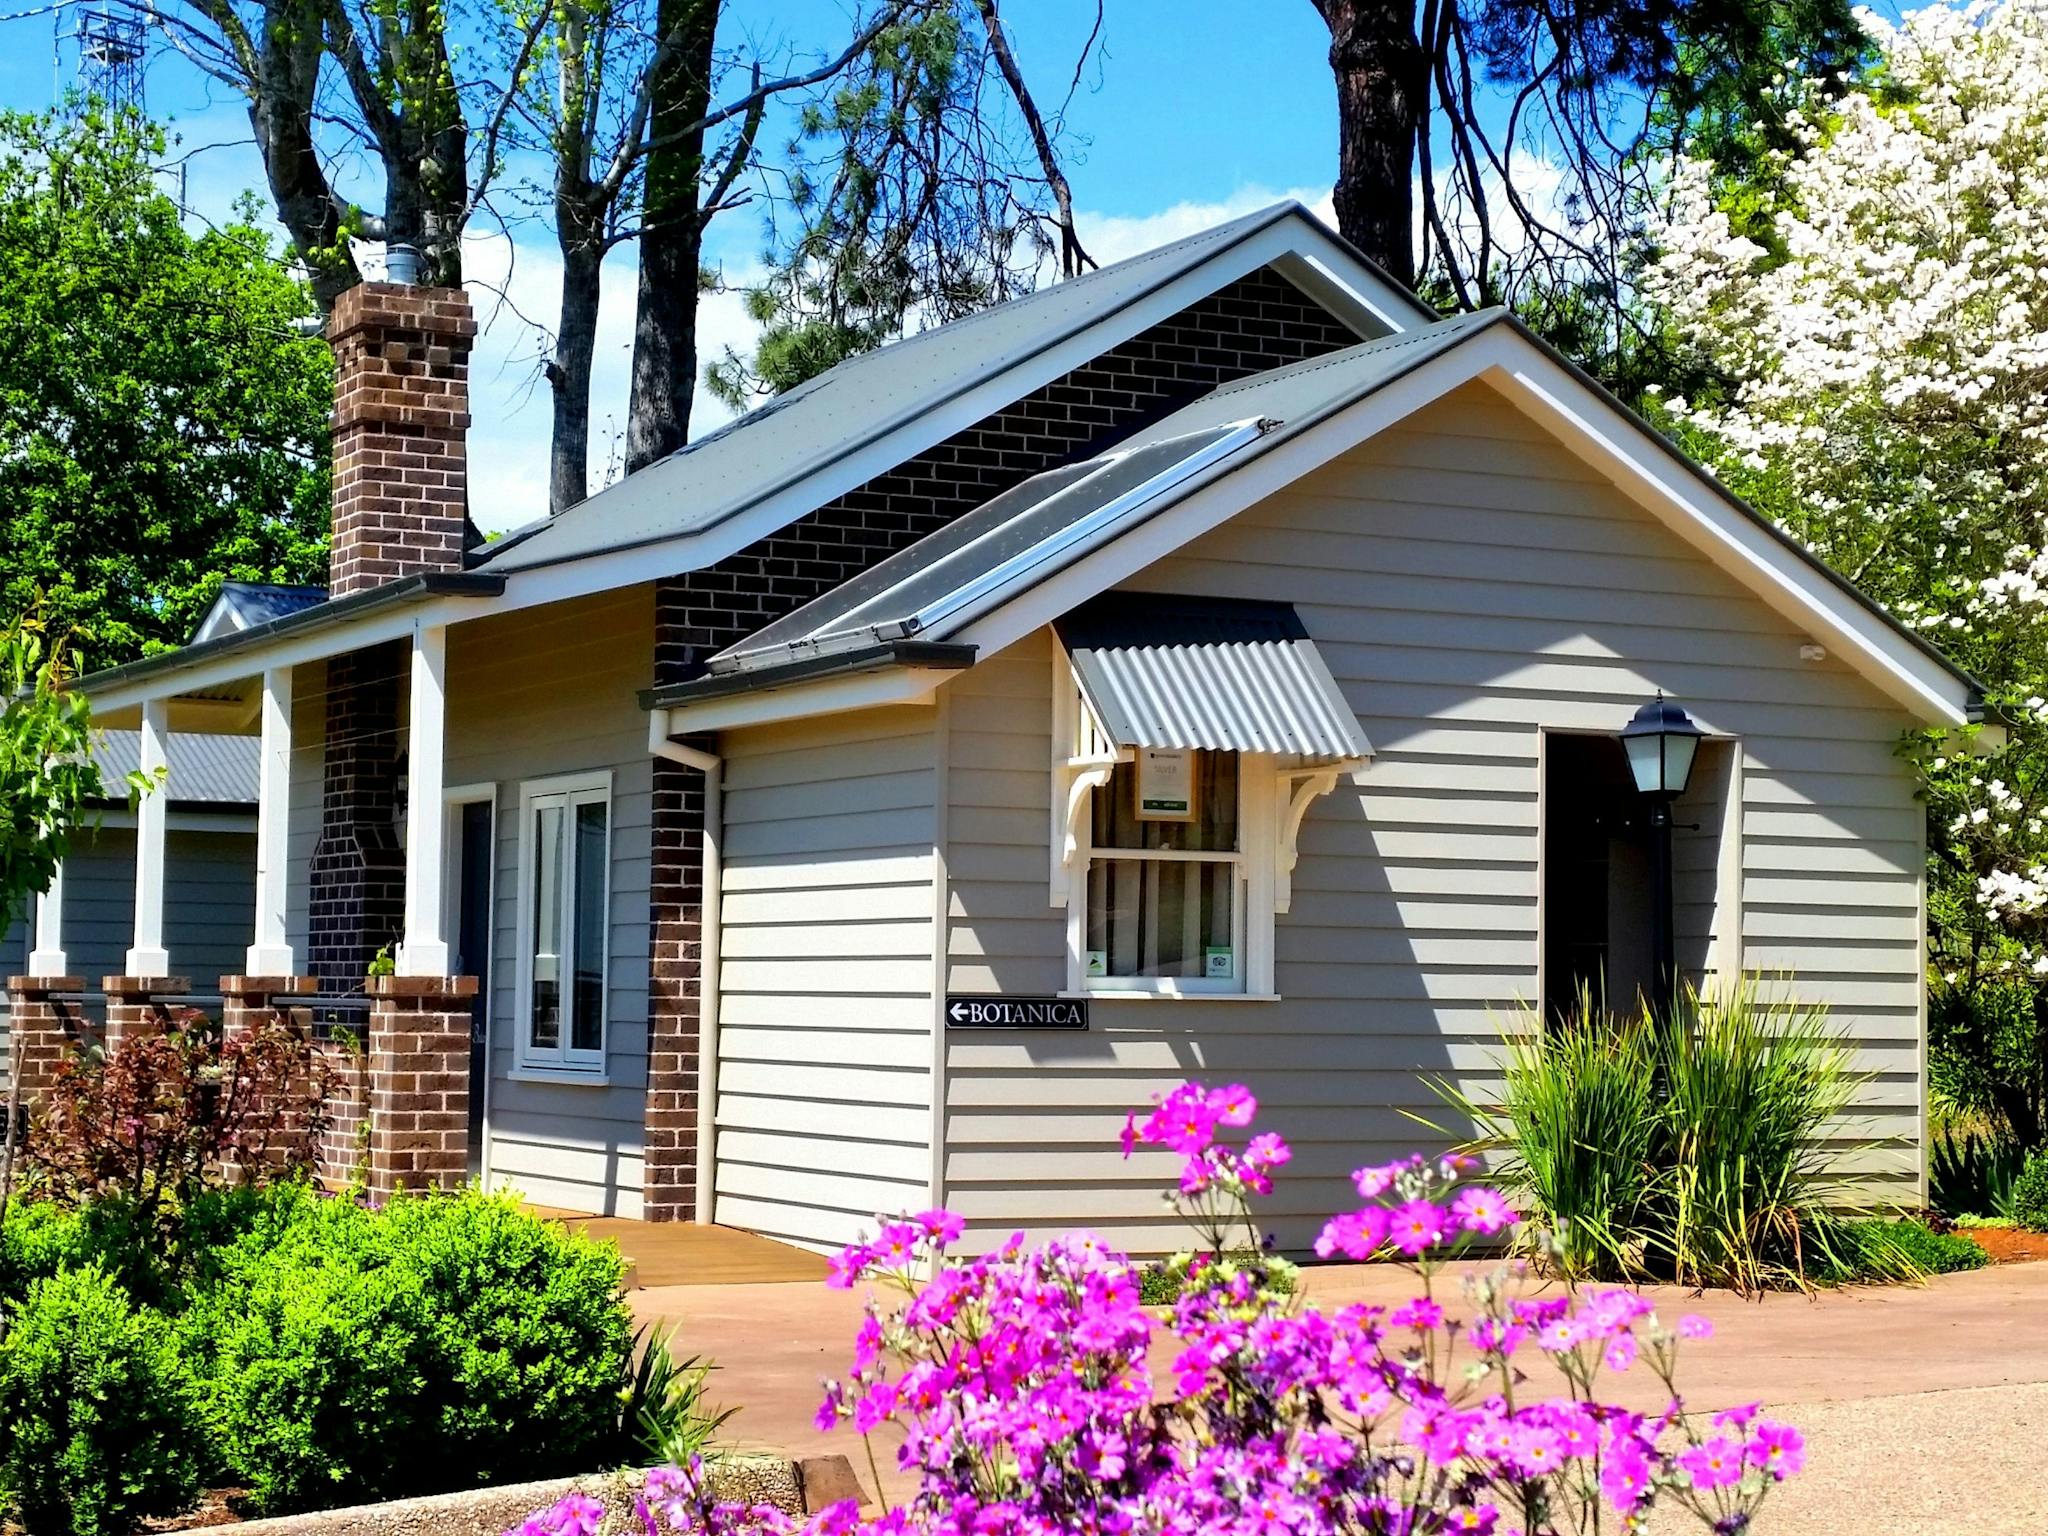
(146, 986)
(268, 986)
(411, 988)
(33, 986)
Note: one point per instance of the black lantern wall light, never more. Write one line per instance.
(1661, 743)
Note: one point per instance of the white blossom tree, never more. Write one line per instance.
(1872, 315)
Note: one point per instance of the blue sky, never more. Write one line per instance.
(1195, 111)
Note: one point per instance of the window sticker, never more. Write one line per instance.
(1166, 785)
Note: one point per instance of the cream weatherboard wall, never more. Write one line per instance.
(1473, 586)
(825, 1002)
(537, 695)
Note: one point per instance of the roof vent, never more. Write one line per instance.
(401, 263)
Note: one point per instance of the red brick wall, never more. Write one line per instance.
(1259, 322)
(401, 415)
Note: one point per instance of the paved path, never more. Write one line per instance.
(1926, 1409)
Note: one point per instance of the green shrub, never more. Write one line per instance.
(440, 1343)
(1680, 1145)
(100, 1430)
(2030, 1194)
(1160, 1285)
(1879, 1250)
(40, 1238)
(1971, 1172)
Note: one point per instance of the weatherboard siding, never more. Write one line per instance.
(1471, 584)
(535, 695)
(825, 1009)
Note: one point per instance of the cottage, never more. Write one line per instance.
(1209, 666)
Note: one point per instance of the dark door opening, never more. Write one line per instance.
(1596, 894)
(474, 847)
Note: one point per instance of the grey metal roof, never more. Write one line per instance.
(1181, 672)
(200, 769)
(259, 602)
(842, 410)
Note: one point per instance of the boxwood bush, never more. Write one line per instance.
(434, 1344)
(325, 1354)
(2030, 1194)
(100, 1429)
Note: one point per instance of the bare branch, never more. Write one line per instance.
(1072, 257)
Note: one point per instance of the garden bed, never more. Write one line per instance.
(2008, 1245)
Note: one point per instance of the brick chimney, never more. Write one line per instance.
(401, 418)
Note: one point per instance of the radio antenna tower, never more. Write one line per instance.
(110, 55)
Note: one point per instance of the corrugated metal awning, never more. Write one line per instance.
(1209, 672)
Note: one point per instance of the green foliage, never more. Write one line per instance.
(439, 1342)
(1987, 1034)
(1969, 1172)
(1161, 1284)
(1882, 1250)
(48, 782)
(667, 1418)
(2030, 1194)
(1683, 1144)
(100, 1427)
(162, 426)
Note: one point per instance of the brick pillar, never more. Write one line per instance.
(138, 1003)
(356, 902)
(247, 999)
(418, 1064)
(669, 1169)
(401, 418)
(43, 1023)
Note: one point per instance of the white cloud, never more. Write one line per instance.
(1112, 237)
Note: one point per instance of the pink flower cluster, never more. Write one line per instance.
(1020, 1384)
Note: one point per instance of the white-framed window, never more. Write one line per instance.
(564, 922)
(1164, 901)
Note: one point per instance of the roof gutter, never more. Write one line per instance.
(932, 654)
(335, 611)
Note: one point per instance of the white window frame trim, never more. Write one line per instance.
(563, 1062)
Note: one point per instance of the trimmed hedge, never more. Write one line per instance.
(100, 1427)
(436, 1344)
(2030, 1194)
(325, 1354)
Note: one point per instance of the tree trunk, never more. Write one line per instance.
(1378, 63)
(671, 238)
(281, 117)
(569, 368)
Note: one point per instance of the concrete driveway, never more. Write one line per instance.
(1925, 1409)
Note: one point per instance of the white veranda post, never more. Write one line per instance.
(269, 952)
(47, 958)
(424, 951)
(148, 957)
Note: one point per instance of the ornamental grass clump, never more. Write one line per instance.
(1685, 1144)
(1020, 1384)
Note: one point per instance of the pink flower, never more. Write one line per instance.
(1777, 1449)
(1356, 1234)
(1376, 1181)
(1625, 1475)
(1233, 1105)
(1417, 1227)
(1129, 1138)
(1482, 1210)
(1472, 1520)
(1422, 1313)
(1559, 1335)
(1535, 1450)
(942, 1227)
(1693, 1326)
(1715, 1463)
(1621, 1352)
(844, 1267)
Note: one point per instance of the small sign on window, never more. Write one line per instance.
(1166, 785)
(1219, 963)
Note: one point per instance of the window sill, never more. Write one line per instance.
(565, 1077)
(1139, 995)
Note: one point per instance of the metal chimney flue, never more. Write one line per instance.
(401, 263)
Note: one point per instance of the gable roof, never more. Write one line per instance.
(985, 601)
(246, 604)
(865, 397)
(798, 452)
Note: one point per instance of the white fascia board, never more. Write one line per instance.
(800, 701)
(1630, 454)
